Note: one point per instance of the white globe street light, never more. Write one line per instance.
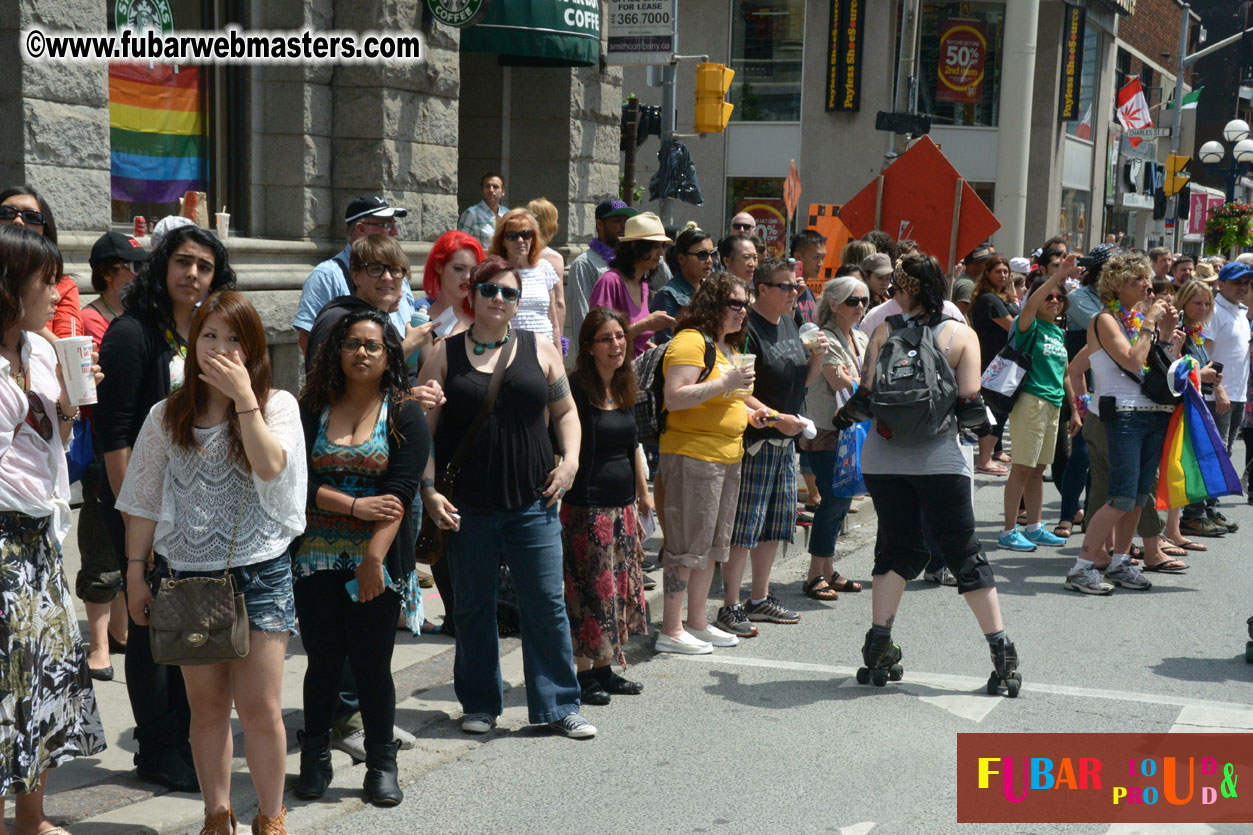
(1211, 152)
(1236, 130)
(1244, 151)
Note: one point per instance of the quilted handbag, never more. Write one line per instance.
(200, 620)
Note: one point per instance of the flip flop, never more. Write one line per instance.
(1168, 567)
(811, 589)
(994, 469)
(1003, 457)
(844, 584)
(1189, 545)
(429, 628)
(1172, 551)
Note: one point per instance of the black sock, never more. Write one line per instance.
(877, 630)
(994, 637)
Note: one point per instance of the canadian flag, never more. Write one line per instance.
(1084, 128)
(1133, 109)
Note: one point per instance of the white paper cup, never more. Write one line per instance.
(223, 220)
(74, 355)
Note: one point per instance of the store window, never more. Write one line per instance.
(766, 52)
(960, 62)
(761, 197)
(1082, 127)
(1073, 223)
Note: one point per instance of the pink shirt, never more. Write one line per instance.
(610, 291)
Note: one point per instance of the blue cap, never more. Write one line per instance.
(1235, 270)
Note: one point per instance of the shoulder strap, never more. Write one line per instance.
(711, 357)
(895, 321)
(493, 388)
(343, 268)
(1096, 329)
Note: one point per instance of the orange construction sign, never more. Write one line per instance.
(824, 218)
(792, 190)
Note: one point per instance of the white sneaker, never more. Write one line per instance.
(407, 740)
(685, 644)
(713, 635)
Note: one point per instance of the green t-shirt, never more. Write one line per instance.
(1047, 344)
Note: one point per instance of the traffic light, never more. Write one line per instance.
(1175, 176)
(712, 110)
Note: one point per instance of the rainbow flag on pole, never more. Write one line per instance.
(1195, 464)
(156, 127)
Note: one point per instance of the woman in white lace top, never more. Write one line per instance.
(218, 476)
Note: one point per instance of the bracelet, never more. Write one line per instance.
(145, 562)
(426, 482)
(248, 411)
(352, 510)
(64, 418)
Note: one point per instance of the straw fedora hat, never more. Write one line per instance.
(644, 227)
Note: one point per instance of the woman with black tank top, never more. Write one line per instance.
(600, 527)
(503, 503)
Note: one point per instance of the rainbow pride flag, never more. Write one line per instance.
(1195, 464)
(156, 128)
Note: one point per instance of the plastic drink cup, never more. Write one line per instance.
(809, 337)
(223, 220)
(741, 361)
(74, 355)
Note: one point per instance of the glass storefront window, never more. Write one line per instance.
(761, 197)
(1073, 222)
(960, 62)
(1082, 127)
(766, 50)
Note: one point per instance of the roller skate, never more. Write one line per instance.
(1248, 647)
(1005, 662)
(882, 659)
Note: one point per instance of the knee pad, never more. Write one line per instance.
(972, 570)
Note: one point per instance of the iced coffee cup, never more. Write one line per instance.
(741, 361)
(74, 356)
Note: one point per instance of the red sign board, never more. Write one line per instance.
(962, 61)
(919, 198)
(771, 223)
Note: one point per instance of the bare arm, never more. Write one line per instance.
(557, 310)
(139, 535)
(565, 422)
(115, 464)
(683, 392)
(302, 339)
(437, 505)
(1077, 368)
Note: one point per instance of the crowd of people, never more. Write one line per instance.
(675, 379)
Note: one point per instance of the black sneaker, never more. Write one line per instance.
(649, 583)
(733, 619)
(770, 611)
(1222, 521)
(650, 564)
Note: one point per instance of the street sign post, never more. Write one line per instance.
(1150, 133)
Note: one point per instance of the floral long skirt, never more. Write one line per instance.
(604, 553)
(48, 710)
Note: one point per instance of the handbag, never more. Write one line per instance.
(1003, 377)
(200, 620)
(432, 540)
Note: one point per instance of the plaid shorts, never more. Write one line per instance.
(766, 511)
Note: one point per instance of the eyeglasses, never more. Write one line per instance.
(785, 286)
(30, 216)
(856, 301)
(388, 224)
(490, 291)
(37, 417)
(737, 304)
(1054, 297)
(372, 348)
(701, 254)
(610, 340)
(519, 234)
(377, 270)
(743, 226)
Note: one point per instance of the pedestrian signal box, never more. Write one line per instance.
(712, 109)
(1176, 179)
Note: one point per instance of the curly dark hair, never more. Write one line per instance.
(325, 383)
(628, 254)
(149, 296)
(709, 304)
(883, 243)
(25, 256)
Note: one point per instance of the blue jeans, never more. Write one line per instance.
(829, 517)
(1074, 477)
(1135, 451)
(528, 540)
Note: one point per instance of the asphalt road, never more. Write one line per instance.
(776, 736)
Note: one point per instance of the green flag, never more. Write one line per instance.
(1189, 101)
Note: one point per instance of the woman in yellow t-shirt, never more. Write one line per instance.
(701, 449)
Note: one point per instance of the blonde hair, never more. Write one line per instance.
(546, 216)
(1118, 271)
(1186, 293)
(517, 216)
(854, 252)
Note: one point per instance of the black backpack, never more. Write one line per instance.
(650, 398)
(915, 389)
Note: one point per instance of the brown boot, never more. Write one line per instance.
(219, 823)
(261, 825)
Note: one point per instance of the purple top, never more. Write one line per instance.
(610, 291)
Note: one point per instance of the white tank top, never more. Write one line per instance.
(1110, 380)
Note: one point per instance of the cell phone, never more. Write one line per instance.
(456, 521)
(353, 588)
(1218, 366)
(1085, 262)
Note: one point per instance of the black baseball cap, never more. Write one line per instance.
(982, 252)
(114, 246)
(372, 206)
(614, 208)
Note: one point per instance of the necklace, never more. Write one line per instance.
(112, 313)
(480, 348)
(1132, 320)
(1196, 334)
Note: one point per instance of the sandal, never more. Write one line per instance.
(1168, 567)
(1172, 551)
(1063, 529)
(1003, 457)
(1022, 518)
(844, 584)
(819, 589)
(1188, 545)
(1079, 517)
(429, 628)
(992, 469)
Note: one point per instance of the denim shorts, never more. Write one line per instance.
(1135, 451)
(266, 587)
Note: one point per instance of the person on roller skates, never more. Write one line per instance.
(920, 385)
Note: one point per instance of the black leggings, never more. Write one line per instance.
(900, 502)
(333, 628)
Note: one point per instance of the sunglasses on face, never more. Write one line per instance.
(742, 226)
(30, 216)
(701, 254)
(519, 234)
(372, 347)
(785, 286)
(490, 291)
(1054, 297)
(856, 301)
(36, 417)
(736, 304)
(377, 270)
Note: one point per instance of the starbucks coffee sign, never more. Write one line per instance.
(141, 15)
(458, 12)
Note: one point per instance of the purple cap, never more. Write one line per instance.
(614, 208)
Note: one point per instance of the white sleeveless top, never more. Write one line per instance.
(1110, 380)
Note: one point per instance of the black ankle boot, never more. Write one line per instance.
(592, 690)
(616, 684)
(316, 772)
(381, 787)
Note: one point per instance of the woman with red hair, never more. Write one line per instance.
(446, 276)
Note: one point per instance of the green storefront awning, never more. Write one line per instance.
(551, 33)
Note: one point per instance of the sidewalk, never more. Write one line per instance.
(102, 796)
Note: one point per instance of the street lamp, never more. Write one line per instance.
(1211, 155)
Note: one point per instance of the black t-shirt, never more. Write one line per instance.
(992, 337)
(606, 476)
(782, 365)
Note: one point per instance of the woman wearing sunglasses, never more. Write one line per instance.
(542, 308)
(691, 260)
(366, 442)
(23, 206)
(622, 286)
(47, 686)
(503, 502)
